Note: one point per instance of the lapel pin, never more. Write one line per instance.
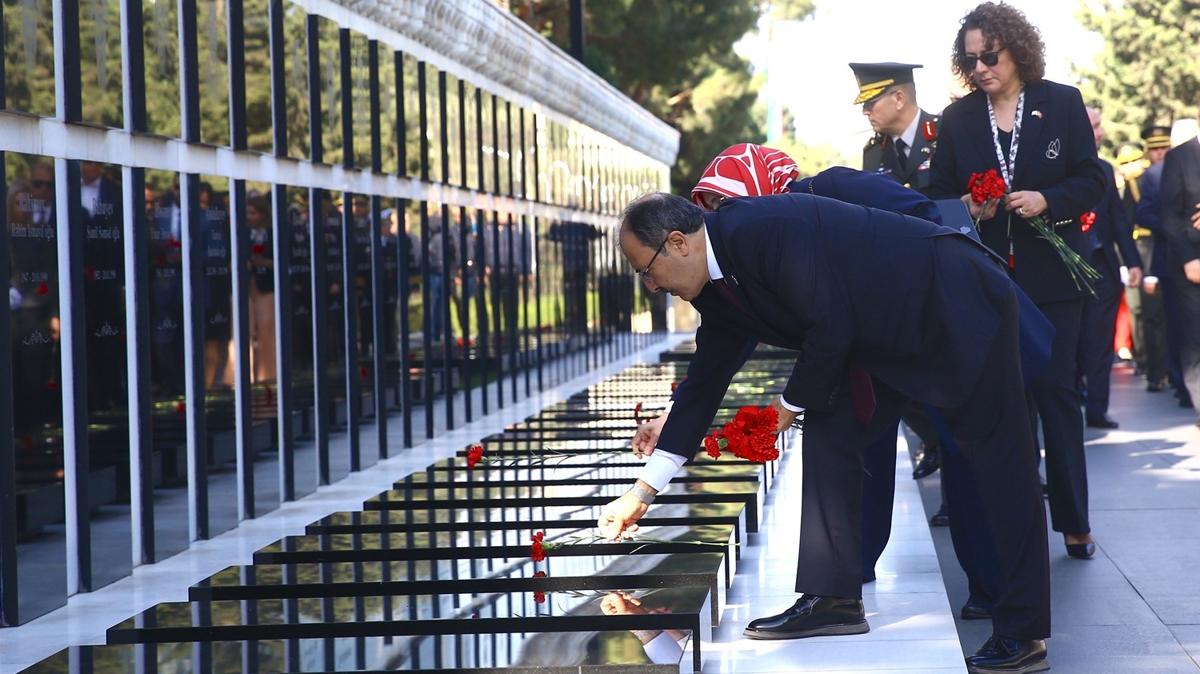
(1037, 113)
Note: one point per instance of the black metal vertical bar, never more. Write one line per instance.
(353, 382)
(317, 257)
(319, 285)
(481, 315)
(403, 250)
(281, 234)
(137, 331)
(496, 317)
(193, 350)
(68, 87)
(537, 277)
(426, 310)
(193, 272)
(577, 30)
(236, 48)
(3, 105)
(313, 42)
(239, 255)
(378, 289)
(137, 297)
(516, 358)
(464, 307)
(8, 455)
(526, 259)
(444, 272)
(68, 93)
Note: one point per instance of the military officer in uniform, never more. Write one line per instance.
(904, 141)
(1162, 357)
(905, 135)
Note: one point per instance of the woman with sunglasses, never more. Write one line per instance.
(1036, 135)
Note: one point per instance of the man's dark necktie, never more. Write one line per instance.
(727, 293)
(901, 153)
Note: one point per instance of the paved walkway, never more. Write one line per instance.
(912, 627)
(1135, 607)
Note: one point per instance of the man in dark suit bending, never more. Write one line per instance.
(882, 307)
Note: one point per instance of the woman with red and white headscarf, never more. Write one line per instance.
(748, 170)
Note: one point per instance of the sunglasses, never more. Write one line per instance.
(988, 58)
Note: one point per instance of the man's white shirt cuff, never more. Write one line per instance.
(663, 649)
(661, 467)
(790, 407)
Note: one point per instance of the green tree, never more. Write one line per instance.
(676, 59)
(1150, 67)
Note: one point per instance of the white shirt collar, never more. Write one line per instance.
(714, 270)
(910, 134)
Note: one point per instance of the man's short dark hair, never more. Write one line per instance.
(652, 217)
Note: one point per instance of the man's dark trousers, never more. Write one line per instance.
(989, 429)
(1096, 342)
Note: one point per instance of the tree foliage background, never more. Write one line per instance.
(1149, 70)
(676, 59)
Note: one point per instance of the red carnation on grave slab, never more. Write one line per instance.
(474, 455)
(258, 249)
(43, 288)
(180, 408)
(537, 552)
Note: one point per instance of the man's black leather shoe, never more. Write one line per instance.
(812, 616)
(1102, 422)
(1001, 655)
(941, 518)
(929, 463)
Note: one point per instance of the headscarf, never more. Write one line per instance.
(746, 170)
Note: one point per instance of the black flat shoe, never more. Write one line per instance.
(1081, 550)
(1156, 387)
(812, 616)
(941, 518)
(1102, 422)
(1001, 655)
(975, 610)
(929, 463)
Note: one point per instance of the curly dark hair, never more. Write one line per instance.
(1002, 26)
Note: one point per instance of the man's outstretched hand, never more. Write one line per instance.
(620, 516)
(786, 416)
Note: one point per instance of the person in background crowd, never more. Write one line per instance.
(905, 135)
(1180, 211)
(904, 141)
(1111, 228)
(1162, 355)
(262, 288)
(1035, 134)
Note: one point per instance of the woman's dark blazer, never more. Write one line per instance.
(1057, 157)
